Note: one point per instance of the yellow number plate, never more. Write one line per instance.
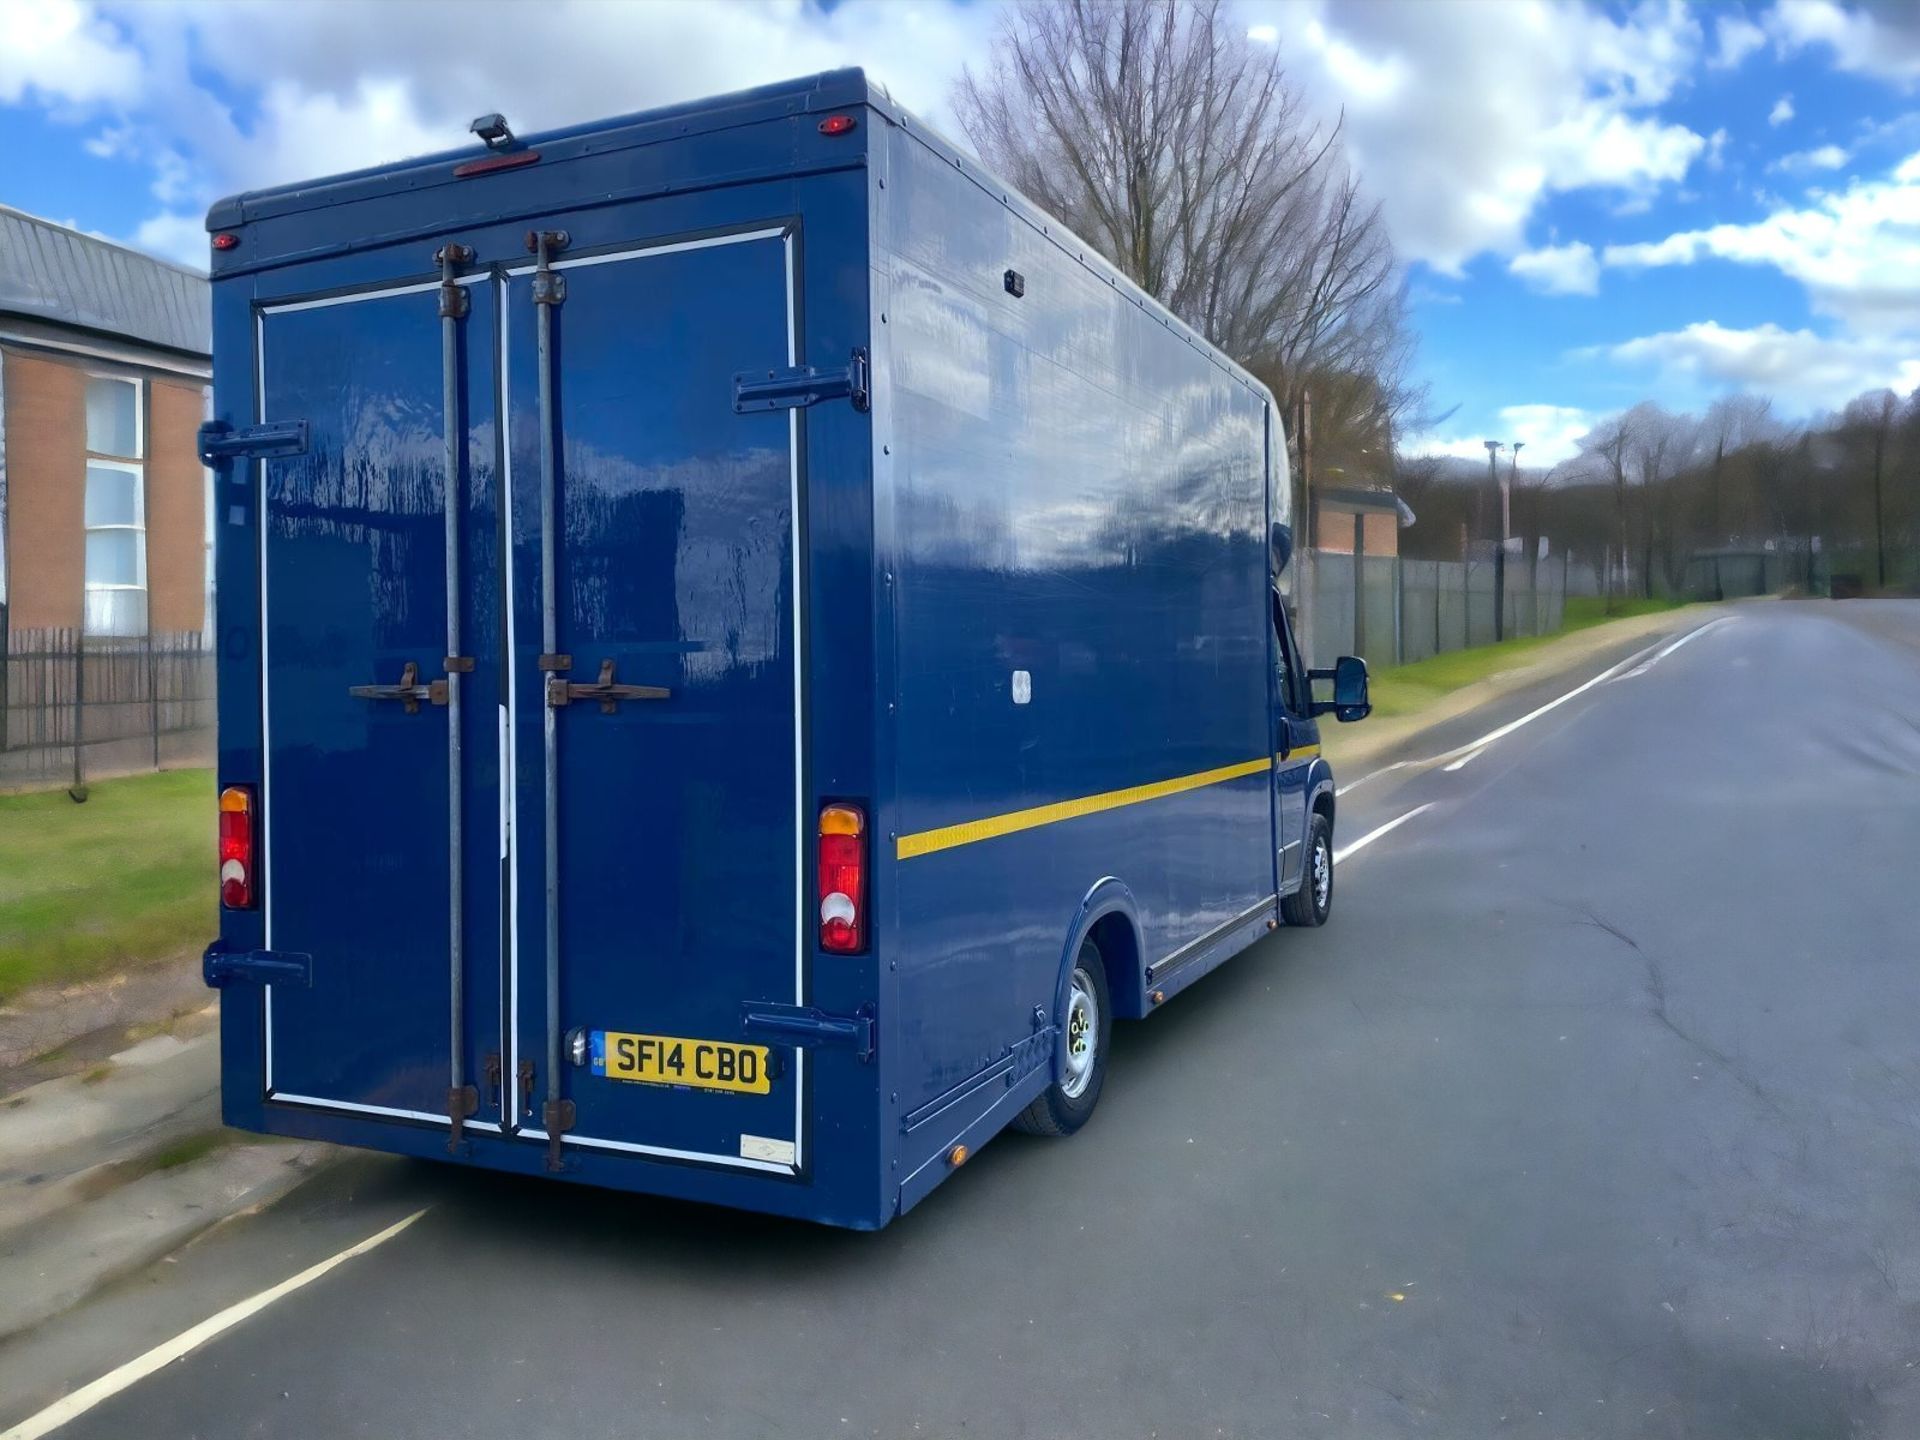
(670, 1060)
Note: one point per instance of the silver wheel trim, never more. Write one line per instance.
(1322, 874)
(1083, 1034)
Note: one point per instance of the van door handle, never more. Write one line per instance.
(562, 691)
(409, 692)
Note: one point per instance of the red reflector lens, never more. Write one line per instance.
(226, 240)
(236, 847)
(842, 892)
(837, 124)
(487, 165)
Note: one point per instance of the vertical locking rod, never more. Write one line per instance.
(549, 289)
(462, 1099)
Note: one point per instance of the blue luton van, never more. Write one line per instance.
(744, 648)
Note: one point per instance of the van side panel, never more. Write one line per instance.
(1075, 524)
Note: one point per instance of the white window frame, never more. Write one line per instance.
(136, 466)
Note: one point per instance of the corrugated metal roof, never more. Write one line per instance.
(52, 273)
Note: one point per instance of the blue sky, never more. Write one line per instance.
(1596, 203)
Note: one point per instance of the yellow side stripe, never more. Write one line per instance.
(926, 842)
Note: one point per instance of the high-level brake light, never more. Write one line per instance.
(236, 847)
(843, 864)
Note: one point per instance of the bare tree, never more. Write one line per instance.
(1875, 415)
(1731, 424)
(1663, 444)
(1175, 145)
(1604, 453)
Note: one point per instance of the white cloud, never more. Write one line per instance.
(1559, 269)
(1782, 111)
(356, 83)
(180, 238)
(1857, 250)
(1736, 37)
(1550, 433)
(57, 50)
(1882, 41)
(1802, 162)
(1803, 370)
(1464, 118)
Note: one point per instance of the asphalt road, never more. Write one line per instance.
(1595, 1111)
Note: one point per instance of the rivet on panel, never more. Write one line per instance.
(958, 1155)
(1158, 996)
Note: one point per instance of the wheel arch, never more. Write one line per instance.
(1322, 797)
(1109, 917)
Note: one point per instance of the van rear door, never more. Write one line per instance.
(360, 779)
(658, 830)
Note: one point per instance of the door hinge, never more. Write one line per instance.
(218, 965)
(453, 295)
(490, 1073)
(806, 1025)
(558, 1117)
(798, 386)
(462, 1102)
(219, 442)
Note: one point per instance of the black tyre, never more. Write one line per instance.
(1313, 901)
(1087, 1027)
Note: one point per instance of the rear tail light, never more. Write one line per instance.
(843, 875)
(236, 847)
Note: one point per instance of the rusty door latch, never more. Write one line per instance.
(409, 692)
(562, 691)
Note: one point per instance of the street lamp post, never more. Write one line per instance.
(1506, 534)
(1506, 493)
(1500, 551)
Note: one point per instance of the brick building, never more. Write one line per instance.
(1351, 521)
(103, 377)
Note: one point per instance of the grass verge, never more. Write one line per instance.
(1407, 689)
(125, 879)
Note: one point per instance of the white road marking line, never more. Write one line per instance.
(73, 1406)
(1637, 663)
(1338, 857)
(1645, 665)
(1474, 746)
(1374, 774)
(1461, 763)
(1692, 635)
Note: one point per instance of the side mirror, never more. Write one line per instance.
(1349, 677)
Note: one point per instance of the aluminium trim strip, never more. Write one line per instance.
(1194, 949)
(287, 307)
(354, 1107)
(665, 1152)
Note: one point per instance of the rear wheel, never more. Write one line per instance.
(1313, 901)
(1065, 1104)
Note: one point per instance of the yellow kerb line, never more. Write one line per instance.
(926, 842)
